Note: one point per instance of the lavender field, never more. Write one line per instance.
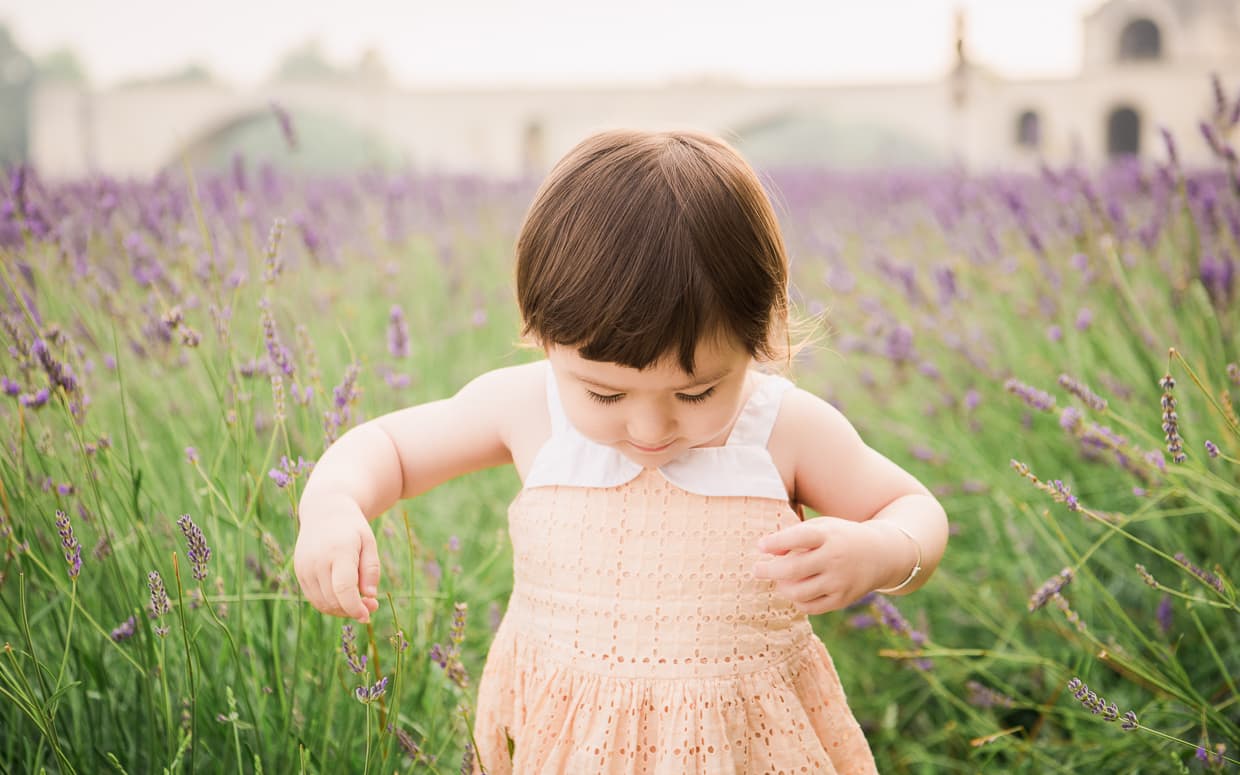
(1056, 355)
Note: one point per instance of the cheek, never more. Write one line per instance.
(593, 421)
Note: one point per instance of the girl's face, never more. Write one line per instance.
(651, 416)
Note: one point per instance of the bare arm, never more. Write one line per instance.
(398, 455)
(407, 452)
(875, 514)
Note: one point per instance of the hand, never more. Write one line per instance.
(823, 564)
(336, 559)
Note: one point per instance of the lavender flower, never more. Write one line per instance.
(1146, 576)
(1073, 618)
(1091, 399)
(1171, 427)
(895, 622)
(271, 259)
(1164, 614)
(899, 344)
(1064, 495)
(58, 373)
(984, 697)
(411, 748)
(1030, 395)
(450, 658)
(398, 333)
(284, 473)
(467, 759)
(1202, 574)
(368, 694)
(1211, 448)
(1169, 142)
(399, 642)
(277, 396)
(69, 542)
(348, 644)
(9, 387)
(191, 455)
(280, 356)
(160, 604)
(123, 631)
(1070, 418)
(198, 552)
(286, 124)
(1051, 586)
(35, 400)
(1099, 705)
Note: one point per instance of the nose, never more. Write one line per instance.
(651, 427)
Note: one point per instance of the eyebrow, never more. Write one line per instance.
(704, 381)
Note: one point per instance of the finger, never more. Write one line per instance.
(344, 587)
(327, 598)
(817, 606)
(801, 590)
(792, 567)
(369, 567)
(801, 536)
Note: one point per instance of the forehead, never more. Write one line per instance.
(711, 359)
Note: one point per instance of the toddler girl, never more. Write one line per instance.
(663, 570)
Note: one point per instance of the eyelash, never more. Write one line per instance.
(689, 399)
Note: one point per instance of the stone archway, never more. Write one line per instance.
(1123, 132)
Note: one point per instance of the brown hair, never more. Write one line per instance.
(639, 244)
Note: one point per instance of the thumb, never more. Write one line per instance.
(799, 536)
(368, 567)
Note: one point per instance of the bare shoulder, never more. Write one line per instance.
(806, 424)
(834, 471)
(520, 396)
(804, 418)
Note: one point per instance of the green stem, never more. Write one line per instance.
(64, 658)
(189, 664)
(53, 737)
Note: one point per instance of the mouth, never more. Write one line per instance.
(650, 450)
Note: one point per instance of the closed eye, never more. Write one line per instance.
(696, 398)
(602, 399)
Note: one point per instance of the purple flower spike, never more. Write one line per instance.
(124, 631)
(160, 604)
(348, 644)
(69, 542)
(198, 552)
(1211, 448)
(1051, 587)
(286, 125)
(1030, 395)
(398, 333)
(368, 694)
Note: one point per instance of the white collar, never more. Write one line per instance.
(742, 466)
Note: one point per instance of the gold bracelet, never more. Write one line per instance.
(916, 565)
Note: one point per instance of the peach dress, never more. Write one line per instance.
(637, 640)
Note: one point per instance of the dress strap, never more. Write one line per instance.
(757, 419)
(559, 420)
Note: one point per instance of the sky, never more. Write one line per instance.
(539, 42)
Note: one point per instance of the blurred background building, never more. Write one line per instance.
(1146, 64)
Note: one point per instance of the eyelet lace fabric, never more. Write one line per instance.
(637, 640)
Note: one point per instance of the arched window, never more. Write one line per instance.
(1123, 132)
(1028, 130)
(1140, 40)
